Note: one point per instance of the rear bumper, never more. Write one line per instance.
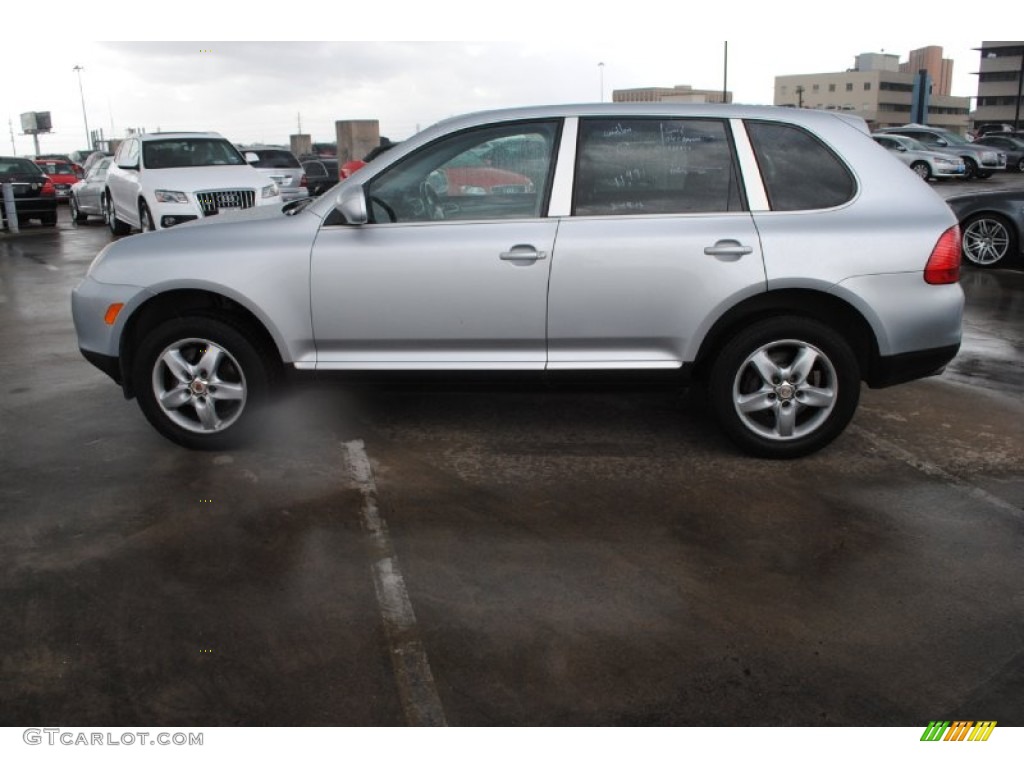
(897, 369)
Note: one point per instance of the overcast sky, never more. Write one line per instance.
(538, 53)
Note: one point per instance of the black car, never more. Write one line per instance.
(35, 197)
(991, 224)
(321, 174)
(1012, 146)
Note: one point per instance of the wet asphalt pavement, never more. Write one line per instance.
(558, 557)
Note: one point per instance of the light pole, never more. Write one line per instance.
(88, 139)
(600, 69)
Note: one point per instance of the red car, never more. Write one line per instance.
(62, 173)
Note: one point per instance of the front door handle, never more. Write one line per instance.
(523, 253)
(728, 248)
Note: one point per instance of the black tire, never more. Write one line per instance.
(921, 168)
(1020, 165)
(970, 169)
(200, 407)
(116, 226)
(984, 174)
(989, 240)
(145, 218)
(813, 403)
(48, 219)
(76, 214)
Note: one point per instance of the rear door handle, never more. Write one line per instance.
(523, 253)
(729, 248)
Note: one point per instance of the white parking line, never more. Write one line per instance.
(416, 688)
(935, 471)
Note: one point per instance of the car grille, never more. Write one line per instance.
(213, 201)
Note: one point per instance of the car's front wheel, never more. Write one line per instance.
(988, 240)
(785, 387)
(145, 217)
(201, 382)
(920, 167)
(116, 226)
(76, 213)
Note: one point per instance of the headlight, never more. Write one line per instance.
(170, 196)
(988, 157)
(943, 161)
(271, 190)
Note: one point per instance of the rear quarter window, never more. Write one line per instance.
(799, 172)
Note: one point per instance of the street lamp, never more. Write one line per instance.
(600, 69)
(88, 139)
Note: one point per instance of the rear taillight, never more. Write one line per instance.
(48, 188)
(303, 182)
(943, 265)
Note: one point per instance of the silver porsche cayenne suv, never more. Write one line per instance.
(777, 255)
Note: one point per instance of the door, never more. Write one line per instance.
(659, 242)
(452, 270)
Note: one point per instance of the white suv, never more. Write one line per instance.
(158, 180)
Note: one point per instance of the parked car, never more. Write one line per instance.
(321, 174)
(992, 226)
(158, 180)
(280, 166)
(62, 173)
(669, 239)
(86, 197)
(980, 162)
(1012, 147)
(347, 169)
(986, 129)
(926, 163)
(94, 158)
(80, 156)
(35, 196)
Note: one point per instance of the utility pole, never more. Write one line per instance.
(10, 127)
(88, 138)
(725, 75)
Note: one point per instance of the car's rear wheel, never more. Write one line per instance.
(921, 168)
(988, 240)
(201, 382)
(116, 226)
(785, 387)
(76, 214)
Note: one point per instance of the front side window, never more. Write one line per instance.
(189, 153)
(497, 172)
(655, 165)
(799, 172)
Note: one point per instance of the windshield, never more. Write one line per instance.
(953, 139)
(189, 153)
(18, 165)
(64, 169)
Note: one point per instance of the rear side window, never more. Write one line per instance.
(799, 172)
(652, 165)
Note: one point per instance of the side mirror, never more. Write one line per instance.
(351, 204)
(900, 148)
(251, 157)
(942, 142)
